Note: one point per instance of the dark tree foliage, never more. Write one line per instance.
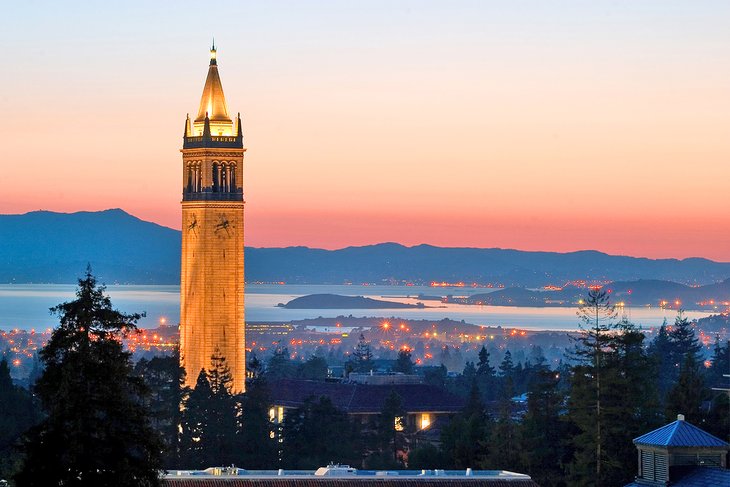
(718, 420)
(464, 439)
(18, 412)
(485, 375)
(166, 380)
(435, 376)
(362, 358)
(220, 438)
(660, 351)
(319, 433)
(315, 368)
(392, 426)
(687, 395)
(543, 436)
(507, 367)
(280, 365)
(683, 341)
(426, 456)
(258, 446)
(611, 388)
(504, 430)
(209, 422)
(403, 363)
(97, 431)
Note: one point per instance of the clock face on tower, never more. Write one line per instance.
(192, 225)
(224, 228)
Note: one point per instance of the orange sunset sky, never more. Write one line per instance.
(560, 125)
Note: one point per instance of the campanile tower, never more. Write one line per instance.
(211, 278)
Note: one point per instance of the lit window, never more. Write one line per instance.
(425, 421)
(399, 423)
(272, 414)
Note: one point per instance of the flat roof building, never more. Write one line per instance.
(345, 476)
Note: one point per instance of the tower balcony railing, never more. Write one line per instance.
(227, 141)
(209, 195)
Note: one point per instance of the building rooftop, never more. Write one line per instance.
(696, 477)
(365, 398)
(345, 476)
(680, 434)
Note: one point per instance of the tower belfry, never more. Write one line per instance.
(212, 277)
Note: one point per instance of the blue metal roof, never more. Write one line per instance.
(696, 477)
(680, 434)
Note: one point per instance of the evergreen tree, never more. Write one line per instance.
(194, 426)
(318, 433)
(612, 398)
(220, 437)
(683, 339)
(507, 367)
(504, 431)
(392, 426)
(660, 351)
(718, 420)
(484, 369)
(362, 357)
(279, 365)
(687, 395)
(18, 412)
(97, 430)
(435, 376)
(209, 424)
(258, 439)
(403, 364)
(485, 374)
(464, 438)
(166, 381)
(315, 368)
(543, 433)
(426, 456)
(589, 385)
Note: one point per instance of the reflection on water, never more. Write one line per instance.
(26, 305)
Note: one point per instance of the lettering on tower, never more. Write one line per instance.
(211, 277)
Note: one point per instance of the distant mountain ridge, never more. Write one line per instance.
(49, 247)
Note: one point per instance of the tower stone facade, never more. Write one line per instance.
(212, 278)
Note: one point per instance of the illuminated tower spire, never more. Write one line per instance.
(213, 102)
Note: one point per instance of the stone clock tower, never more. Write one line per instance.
(211, 278)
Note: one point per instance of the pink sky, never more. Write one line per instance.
(571, 128)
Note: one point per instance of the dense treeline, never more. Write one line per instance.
(574, 427)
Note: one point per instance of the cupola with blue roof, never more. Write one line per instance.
(680, 453)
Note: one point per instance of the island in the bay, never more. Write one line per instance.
(336, 301)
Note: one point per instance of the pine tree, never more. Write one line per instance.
(403, 364)
(318, 433)
(687, 395)
(97, 430)
(589, 384)
(392, 425)
(279, 365)
(221, 438)
(166, 380)
(543, 433)
(503, 432)
(362, 357)
(18, 412)
(464, 439)
(683, 341)
(258, 438)
(612, 398)
(661, 352)
(194, 427)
